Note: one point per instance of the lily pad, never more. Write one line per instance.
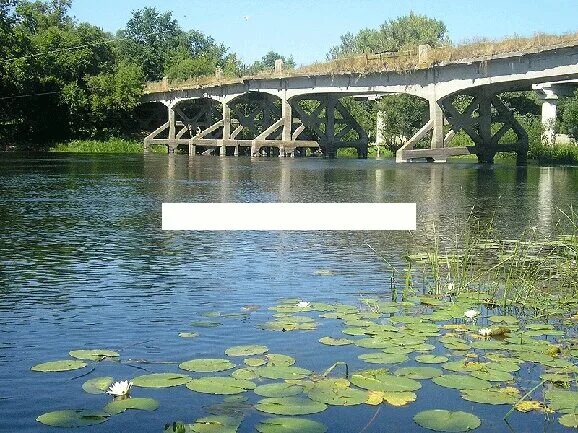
(160, 380)
(254, 362)
(59, 366)
(562, 400)
(431, 359)
(278, 360)
(399, 399)
(446, 421)
(490, 396)
(336, 392)
(205, 324)
(276, 390)
(382, 380)
(220, 385)
(492, 375)
(209, 424)
(290, 406)
(330, 341)
(458, 381)
(94, 354)
(98, 385)
(383, 358)
(207, 365)
(119, 406)
(419, 373)
(188, 334)
(72, 418)
(290, 425)
(509, 320)
(282, 372)
(246, 350)
(569, 420)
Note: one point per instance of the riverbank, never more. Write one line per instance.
(559, 154)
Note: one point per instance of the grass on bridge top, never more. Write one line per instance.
(482, 49)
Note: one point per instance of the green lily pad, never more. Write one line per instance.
(562, 400)
(290, 406)
(160, 380)
(282, 372)
(72, 418)
(276, 390)
(205, 324)
(93, 354)
(492, 375)
(59, 366)
(254, 362)
(382, 380)
(336, 392)
(278, 360)
(446, 421)
(329, 341)
(98, 385)
(210, 424)
(118, 406)
(509, 320)
(419, 373)
(220, 385)
(188, 334)
(245, 373)
(383, 358)
(458, 381)
(290, 425)
(431, 359)
(569, 420)
(207, 365)
(491, 396)
(246, 350)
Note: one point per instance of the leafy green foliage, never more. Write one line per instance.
(394, 35)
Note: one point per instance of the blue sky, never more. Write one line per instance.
(308, 28)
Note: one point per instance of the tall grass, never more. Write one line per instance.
(113, 145)
(538, 274)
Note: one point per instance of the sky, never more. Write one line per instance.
(307, 29)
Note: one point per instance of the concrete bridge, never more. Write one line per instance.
(290, 114)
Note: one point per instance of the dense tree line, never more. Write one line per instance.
(63, 79)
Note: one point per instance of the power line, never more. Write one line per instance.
(3, 98)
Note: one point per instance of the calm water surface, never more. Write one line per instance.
(84, 264)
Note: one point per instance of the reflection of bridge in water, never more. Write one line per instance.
(288, 115)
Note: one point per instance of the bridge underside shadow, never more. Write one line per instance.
(258, 123)
(481, 114)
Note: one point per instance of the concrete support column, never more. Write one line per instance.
(287, 115)
(172, 129)
(226, 129)
(437, 115)
(549, 116)
(379, 136)
(330, 150)
(192, 150)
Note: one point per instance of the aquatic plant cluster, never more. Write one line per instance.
(462, 344)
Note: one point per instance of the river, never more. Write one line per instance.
(84, 264)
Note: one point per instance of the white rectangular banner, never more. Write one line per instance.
(289, 216)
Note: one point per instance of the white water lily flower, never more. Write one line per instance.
(120, 389)
(485, 332)
(471, 314)
(304, 304)
(451, 287)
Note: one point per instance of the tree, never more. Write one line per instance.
(569, 118)
(403, 115)
(267, 63)
(394, 35)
